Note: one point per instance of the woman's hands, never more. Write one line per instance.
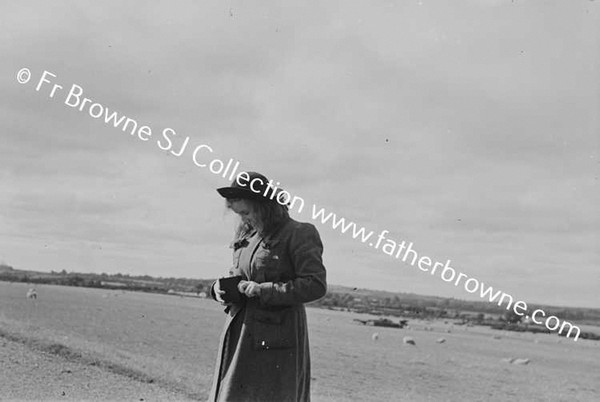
(249, 288)
(219, 293)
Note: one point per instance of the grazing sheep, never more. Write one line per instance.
(514, 360)
(441, 340)
(375, 336)
(409, 341)
(32, 294)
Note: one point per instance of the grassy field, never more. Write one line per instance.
(172, 341)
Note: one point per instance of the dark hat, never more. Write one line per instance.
(256, 187)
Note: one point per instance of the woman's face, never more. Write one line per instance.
(248, 215)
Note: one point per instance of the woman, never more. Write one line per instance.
(264, 353)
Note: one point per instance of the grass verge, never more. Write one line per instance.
(87, 358)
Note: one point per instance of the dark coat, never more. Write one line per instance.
(263, 352)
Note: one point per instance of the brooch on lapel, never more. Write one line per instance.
(239, 244)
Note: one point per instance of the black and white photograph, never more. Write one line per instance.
(320, 201)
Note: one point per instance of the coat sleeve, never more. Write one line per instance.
(309, 284)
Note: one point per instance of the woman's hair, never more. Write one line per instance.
(271, 214)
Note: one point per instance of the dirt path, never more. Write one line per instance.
(34, 375)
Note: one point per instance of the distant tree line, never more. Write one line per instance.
(409, 305)
(143, 283)
(338, 298)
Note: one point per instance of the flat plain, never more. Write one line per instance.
(170, 342)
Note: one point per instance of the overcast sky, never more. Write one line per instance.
(469, 128)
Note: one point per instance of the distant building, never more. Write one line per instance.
(115, 284)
